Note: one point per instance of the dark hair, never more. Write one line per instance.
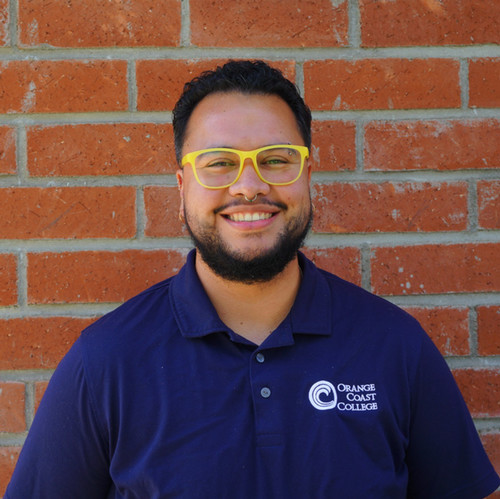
(248, 77)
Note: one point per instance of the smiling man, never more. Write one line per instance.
(246, 203)
(251, 374)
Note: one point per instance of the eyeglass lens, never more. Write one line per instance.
(277, 165)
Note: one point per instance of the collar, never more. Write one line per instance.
(197, 317)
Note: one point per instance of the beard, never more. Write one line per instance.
(234, 265)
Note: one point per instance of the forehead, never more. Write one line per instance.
(244, 121)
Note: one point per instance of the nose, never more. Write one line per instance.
(249, 184)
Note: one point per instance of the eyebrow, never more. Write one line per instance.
(236, 149)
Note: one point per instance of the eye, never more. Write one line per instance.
(220, 162)
(217, 159)
(274, 160)
(278, 157)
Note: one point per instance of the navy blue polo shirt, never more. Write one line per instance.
(347, 398)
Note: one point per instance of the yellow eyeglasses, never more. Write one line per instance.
(221, 167)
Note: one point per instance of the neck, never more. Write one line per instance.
(251, 310)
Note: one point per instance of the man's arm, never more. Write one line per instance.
(65, 454)
(445, 456)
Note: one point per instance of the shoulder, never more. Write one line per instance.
(135, 325)
(354, 304)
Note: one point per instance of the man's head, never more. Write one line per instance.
(247, 216)
(246, 77)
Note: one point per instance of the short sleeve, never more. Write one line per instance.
(445, 457)
(65, 451)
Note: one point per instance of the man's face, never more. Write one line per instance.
(238, 249)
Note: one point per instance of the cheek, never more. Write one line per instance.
(297, 194)
(200, 201)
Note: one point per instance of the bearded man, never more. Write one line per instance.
(251, 374)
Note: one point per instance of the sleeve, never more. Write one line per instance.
(445, 457)
(65, 453)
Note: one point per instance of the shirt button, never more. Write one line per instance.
(265, 392)
(260, 357)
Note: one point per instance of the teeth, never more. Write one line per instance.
(249, 217)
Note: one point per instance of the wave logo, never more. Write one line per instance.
(323, 395)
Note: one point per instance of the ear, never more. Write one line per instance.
(179, 175)
(309, 169)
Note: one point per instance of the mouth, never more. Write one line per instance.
(249, 217)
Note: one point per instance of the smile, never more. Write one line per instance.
(249, 217)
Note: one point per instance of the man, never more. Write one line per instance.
(251, 374)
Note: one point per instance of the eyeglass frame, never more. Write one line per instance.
(244, 155)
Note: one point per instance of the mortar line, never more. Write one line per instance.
(12, 27)
(467, 362)
(29, 408)
(185, 35)
(164, 116)
(132, 86)
(366, 278)
(354, 28)
(93, 311)
(472, 206)
(140, 213)
(359, 144)
(189, 51)
(487, 425)
(22, 279)
(318, 178)
(299, 77)
(314, 240)
(473, 340)
(464, 83)
(12, 439)
(21, 154)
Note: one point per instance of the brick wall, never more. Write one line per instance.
(405, 97)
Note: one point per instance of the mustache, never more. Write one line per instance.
(276, 204)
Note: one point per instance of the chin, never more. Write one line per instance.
(250, 264)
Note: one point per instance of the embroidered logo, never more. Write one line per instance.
(323, 396)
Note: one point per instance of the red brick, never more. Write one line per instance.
(269, 23)
(8, 280)
(160, 82)
(4, 38)
(491, 442)
(387, 207)
(448, 328)
(429, 268)
(67, 212)
(481, 390)
(63, 86)
(429, 22)
(118, 149)
(12, 419)
(8, 460)
(40, 388)
(488, 330)
(432, 145)
(162, 212)
(484, 82)
(333, 145)
(99, 23)
(488, 193)
(7, 150)
(344, 262)
(382, 84)
(37, 342)
(92, 276)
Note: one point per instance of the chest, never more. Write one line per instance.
(273, 423)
